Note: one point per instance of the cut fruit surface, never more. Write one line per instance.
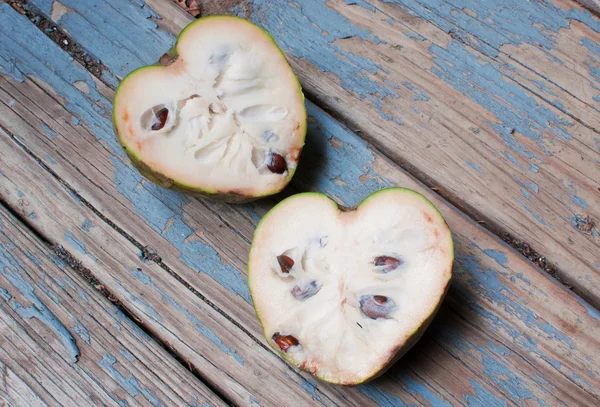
(224, 117)
(342, 294)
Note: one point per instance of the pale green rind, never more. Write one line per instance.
(177, 185)
(416, 335)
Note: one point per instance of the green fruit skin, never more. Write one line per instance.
(168, 183)
(416, 335)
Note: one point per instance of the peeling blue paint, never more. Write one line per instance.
(11, 269)
(83, 296)
(82, 332)
(127, 355)
(484, 83)
(474, 166)
(498, 256)
(361, 3)
(9, 67)
(419, 94)
(499, 23)
(592, 312)
(86, 225)
(572, 192)
(311, 387)
(415, 36)
(486, 283)
(351, 163)
(321, 29)
(5, 294)
(104, 30)
(534, 168)
(526, 194)
(512, 159)
(532, 213)
(380, 397)
(415, 388)
(482, 397)
(131, 385)
(200, 327)
(531, 185)
(77, 245)
(542, 85)
(582, 223)
(48, 292)
(48, 131)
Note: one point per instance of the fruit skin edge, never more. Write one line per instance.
(414, 337)
(158, 178)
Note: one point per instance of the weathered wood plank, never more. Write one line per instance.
(438, 94)
(503, 353)
(63, 343)
(224, 354)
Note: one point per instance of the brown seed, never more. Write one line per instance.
(276, 163)
(380, 299)
(377, 306)
(286, 263)
(160, 119)
(306, 291)
(387, 263)
(285, 341)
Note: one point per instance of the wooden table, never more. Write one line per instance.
(114, 291)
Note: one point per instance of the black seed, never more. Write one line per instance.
(160, 119)
(358, 324)
(276, 163)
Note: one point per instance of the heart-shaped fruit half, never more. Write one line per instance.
(343, 294)
(222, 116)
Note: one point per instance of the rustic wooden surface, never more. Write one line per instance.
(500, 338)
(50, 318)
(496, 103)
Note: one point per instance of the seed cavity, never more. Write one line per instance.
(270, 136)
(286, 263)
(302, 292)
(387, 263)
(377, 306)
(160, 119)
(285, 341)
(217, 108)
(276, 163)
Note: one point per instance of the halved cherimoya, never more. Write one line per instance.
(343, 294)
(222, 116)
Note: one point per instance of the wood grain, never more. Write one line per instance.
(116, 362)
(497, 328)
(491, 102)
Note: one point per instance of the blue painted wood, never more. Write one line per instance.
(461, 53)
(34, 282)
(484, 287)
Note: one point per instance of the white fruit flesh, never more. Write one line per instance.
(343, 335)
(232, 100)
